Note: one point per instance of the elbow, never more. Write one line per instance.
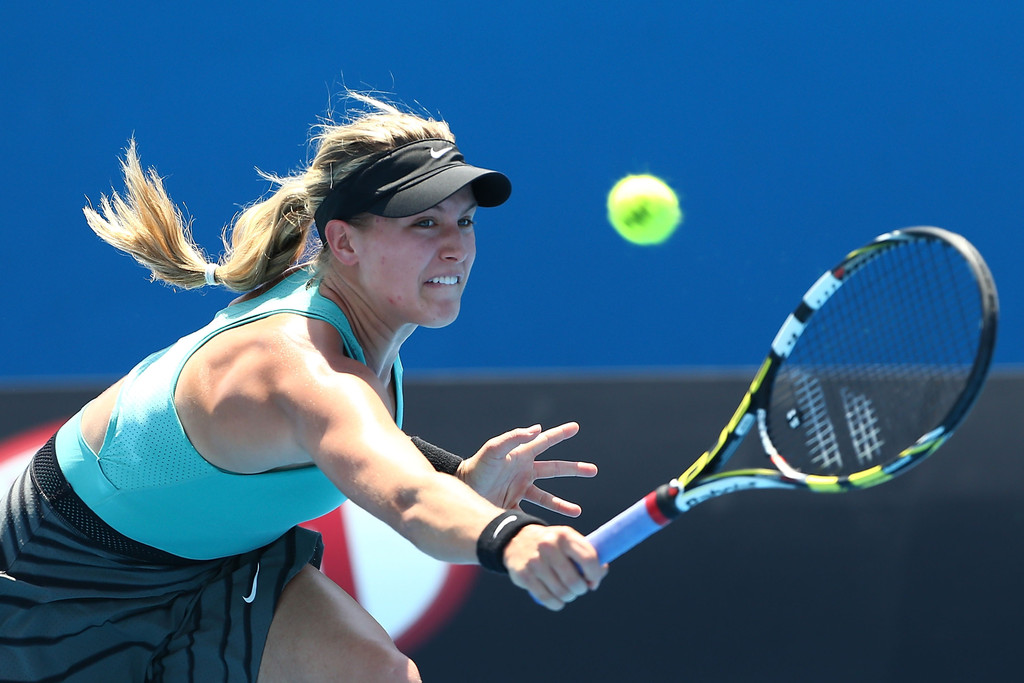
(410, 510)
(406, 501)
(422, 514)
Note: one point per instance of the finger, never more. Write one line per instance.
(559, 580)
(552, 502)
(548, 438)
(545, 585)
(539, 590)
(542, 596)
(551, 469)
(588, 564)
(570, 583)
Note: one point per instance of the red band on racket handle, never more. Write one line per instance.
(649, 514)
(653, 509)
(635, 523)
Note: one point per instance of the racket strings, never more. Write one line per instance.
(881, 363)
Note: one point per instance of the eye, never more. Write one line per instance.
(425, 223)
(466, 222)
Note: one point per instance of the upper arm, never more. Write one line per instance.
(280, 393)
(341, 418)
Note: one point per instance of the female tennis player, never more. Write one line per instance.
(155, 536)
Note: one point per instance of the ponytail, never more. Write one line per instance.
(146, 224)
(268, 237)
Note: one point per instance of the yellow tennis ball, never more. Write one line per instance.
(643, 209)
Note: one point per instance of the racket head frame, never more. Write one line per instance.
(705, 473)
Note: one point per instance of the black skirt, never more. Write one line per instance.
(80, 602)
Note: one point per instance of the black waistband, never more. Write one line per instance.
(54, 487)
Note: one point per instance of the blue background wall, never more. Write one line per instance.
(795, 131)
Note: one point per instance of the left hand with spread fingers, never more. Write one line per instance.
(505, 470)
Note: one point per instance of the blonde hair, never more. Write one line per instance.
(270, 235)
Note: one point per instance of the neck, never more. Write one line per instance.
(379, 340)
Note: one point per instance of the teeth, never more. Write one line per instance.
(445, 280)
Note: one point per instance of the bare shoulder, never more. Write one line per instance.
(243, 395)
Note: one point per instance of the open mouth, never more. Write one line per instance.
(444, 280)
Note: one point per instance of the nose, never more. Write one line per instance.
(457, 244)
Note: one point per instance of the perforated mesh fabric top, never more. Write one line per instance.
(151, 484)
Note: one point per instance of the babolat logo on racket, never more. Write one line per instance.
(715, 488)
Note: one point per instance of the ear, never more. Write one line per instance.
(338, 234)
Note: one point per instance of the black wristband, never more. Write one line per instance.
(490, 547)
(442, 460)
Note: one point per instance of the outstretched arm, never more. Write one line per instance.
(267, 396)
(348, 432)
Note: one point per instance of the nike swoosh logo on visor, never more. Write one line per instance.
(438, 153)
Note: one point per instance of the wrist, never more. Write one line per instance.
(439, 458)
(490, 547)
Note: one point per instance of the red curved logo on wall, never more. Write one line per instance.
(411, 594)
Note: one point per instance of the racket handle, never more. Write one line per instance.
(640, 520)
(648, 515)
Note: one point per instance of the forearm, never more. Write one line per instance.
(419, 527)
(445, 518)
(442, 516)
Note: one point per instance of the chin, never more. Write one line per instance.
(442, 320)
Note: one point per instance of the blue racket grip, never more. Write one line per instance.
(631, 526)
(640, 520)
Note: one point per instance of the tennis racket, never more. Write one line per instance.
(869, 375)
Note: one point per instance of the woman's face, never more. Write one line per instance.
(414, 269)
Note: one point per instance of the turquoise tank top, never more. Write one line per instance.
(148, 481)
